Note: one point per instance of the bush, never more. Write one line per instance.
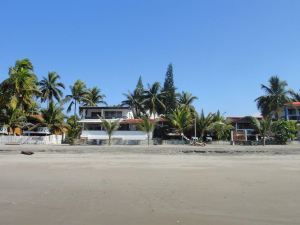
(284, 130)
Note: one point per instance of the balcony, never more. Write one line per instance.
(293, 117)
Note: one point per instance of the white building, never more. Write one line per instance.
(93, 131)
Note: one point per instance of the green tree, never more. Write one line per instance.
(186, 99)
(51, 88)
(203, 123)
(135, 100)
(295, 97)
(180, 119)
(147, 126)
(74, 129)
(13, 116)
(220, 126)
(153, 99)
(140, 86)
(78, 92)
(110, 127)
(21, 84)
(263, 127)
(169, 90)
(284, 130)
(274, 99)
(93, 97)
(53, 118)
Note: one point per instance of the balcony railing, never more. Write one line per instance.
(294, 118)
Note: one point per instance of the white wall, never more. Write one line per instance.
(46, 140)
(124, 135)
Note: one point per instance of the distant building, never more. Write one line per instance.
(291, 111)
(93, 131)
(243, 129)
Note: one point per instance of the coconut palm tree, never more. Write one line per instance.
(93, 97)
(147, 126)
(180, 119)
(153, 99)
(221, 129)
(220, 126)
(22, 84)
(13, 117)
(78, 92)
(203, 123)
(274, 99)
(50, 88)
(263, 127)
(110, 127)
(51, 117)
(135, 102)
(186, 99)
(295, 96)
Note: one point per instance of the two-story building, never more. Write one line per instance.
(291, 111)
(93, 131)
(243, 129)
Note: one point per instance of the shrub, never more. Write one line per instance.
(284, 131)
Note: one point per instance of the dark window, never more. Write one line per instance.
(113, 114)
(95, 115)
(92, 127)
(292, 111)
(124, 127)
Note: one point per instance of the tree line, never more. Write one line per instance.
(26, 102)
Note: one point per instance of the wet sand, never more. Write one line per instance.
(135, 189)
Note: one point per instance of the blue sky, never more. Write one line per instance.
(221, 50)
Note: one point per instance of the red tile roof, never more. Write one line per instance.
(292, 104)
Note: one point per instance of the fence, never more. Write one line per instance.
(36, 140)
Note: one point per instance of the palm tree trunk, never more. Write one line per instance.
(148, 139)
(75, 108)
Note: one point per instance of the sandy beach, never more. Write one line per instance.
(126, 188)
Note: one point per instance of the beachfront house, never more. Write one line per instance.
(243, 129)
(291, 111)
(94, 133)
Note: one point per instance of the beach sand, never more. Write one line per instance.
(135, 189)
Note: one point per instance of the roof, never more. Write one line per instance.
(292, 104)
(241, 119)
(104, 107)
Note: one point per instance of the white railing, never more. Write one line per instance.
(42, 140)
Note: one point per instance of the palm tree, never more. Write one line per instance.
(110, 127)
(93, 97)
(78, 92)
(180, 119)
(220, 126)
(203, 123)
(51, 117)
(274, 99)
(22, 84)
(13, 117)
(74, 128)
(263, 127)
(295, 97)
(135, 102)
(221, 129)
(50, 88)
(186, 99)
(147, 126)
(153, 99)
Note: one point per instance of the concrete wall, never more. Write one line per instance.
(124, 135)
(46, 140)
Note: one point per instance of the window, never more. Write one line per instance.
(95, 115)
(292, 111)
(113, 114)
